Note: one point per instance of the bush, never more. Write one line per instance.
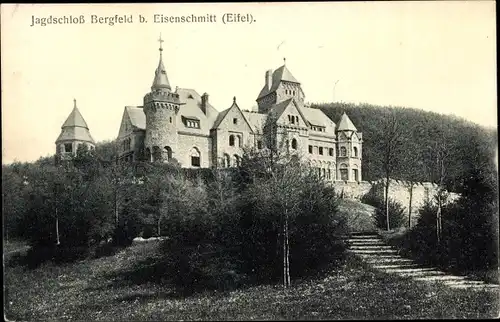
(396, 215)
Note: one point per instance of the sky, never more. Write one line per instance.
(437, 56)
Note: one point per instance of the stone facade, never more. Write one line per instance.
(182, 125)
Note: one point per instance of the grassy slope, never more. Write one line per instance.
(359, 215)
(95, 289)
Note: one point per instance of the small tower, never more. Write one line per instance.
(161, 106)
(279, 86)
(349, 144)
(74, 132)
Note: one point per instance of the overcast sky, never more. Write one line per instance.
(436, 56)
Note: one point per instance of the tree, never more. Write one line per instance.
(391, 148)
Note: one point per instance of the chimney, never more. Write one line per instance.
(204, 102)
(269, 79)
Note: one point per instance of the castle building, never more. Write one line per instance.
(182, 126)
(74, 132)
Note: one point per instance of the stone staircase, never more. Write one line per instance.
(372, 249)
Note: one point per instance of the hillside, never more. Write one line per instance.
(465, 142)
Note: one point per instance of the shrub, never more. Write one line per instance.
(396, 215)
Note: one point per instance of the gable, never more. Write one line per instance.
(290, 112)
(126, 125)
(233, 119)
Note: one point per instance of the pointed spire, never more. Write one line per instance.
(346, 124)
(234, 99)
(284, 61)
(161, 80)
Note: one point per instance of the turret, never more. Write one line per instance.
(161, 106)
(349, 143)
(74, 132)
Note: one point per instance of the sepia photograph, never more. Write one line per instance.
(250, 161)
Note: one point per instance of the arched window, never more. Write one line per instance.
(343, 151)
(231, 140)
(355, 152)
(355, 173)
(344, 172)
(330, 152)
(168, 153)
(195, 157)
(239, 140)
(156, 154)
(294, 144)
(226, 161)
(236, 160)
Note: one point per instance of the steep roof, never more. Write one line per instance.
(317, 117)
(256, 121)
(346, 124)
(161, 79)
(75, 118)
(136, 116)
(279, 108)
(192, 108)
(220, 117)
(280, 74)
(75, 128)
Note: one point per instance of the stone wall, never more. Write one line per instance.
(352, 190)
(398, 191)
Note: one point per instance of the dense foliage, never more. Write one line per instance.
(425, 133)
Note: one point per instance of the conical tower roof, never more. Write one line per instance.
(75, 128)
(346, 124)
(161, 80)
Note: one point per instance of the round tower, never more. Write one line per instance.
(349, 143)
(161, 106)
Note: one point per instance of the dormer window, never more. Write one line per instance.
(193, 123)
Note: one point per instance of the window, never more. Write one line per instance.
(311, 149)
(321, 150)
(355, 152)
(355, 174)
(235, 121)
(237, 160)
(239, 140)
(294, 144)
(193, 124)
(226, 161)
(292, 119)
(148, 154)
(344, 172)
(330, 152)
(68, 147)
(168, 152)
(231, 140)
(195, 157)
(171, 119)
(259, 145)
(329, 174)
(343, 151)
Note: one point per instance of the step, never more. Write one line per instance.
(364, 237)
(371, 247)
(416, 270)
(474, 286)
(375, 251)
(363, 242)
(440, 278)
(397, 266)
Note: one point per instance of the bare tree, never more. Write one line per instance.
(391, 148)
